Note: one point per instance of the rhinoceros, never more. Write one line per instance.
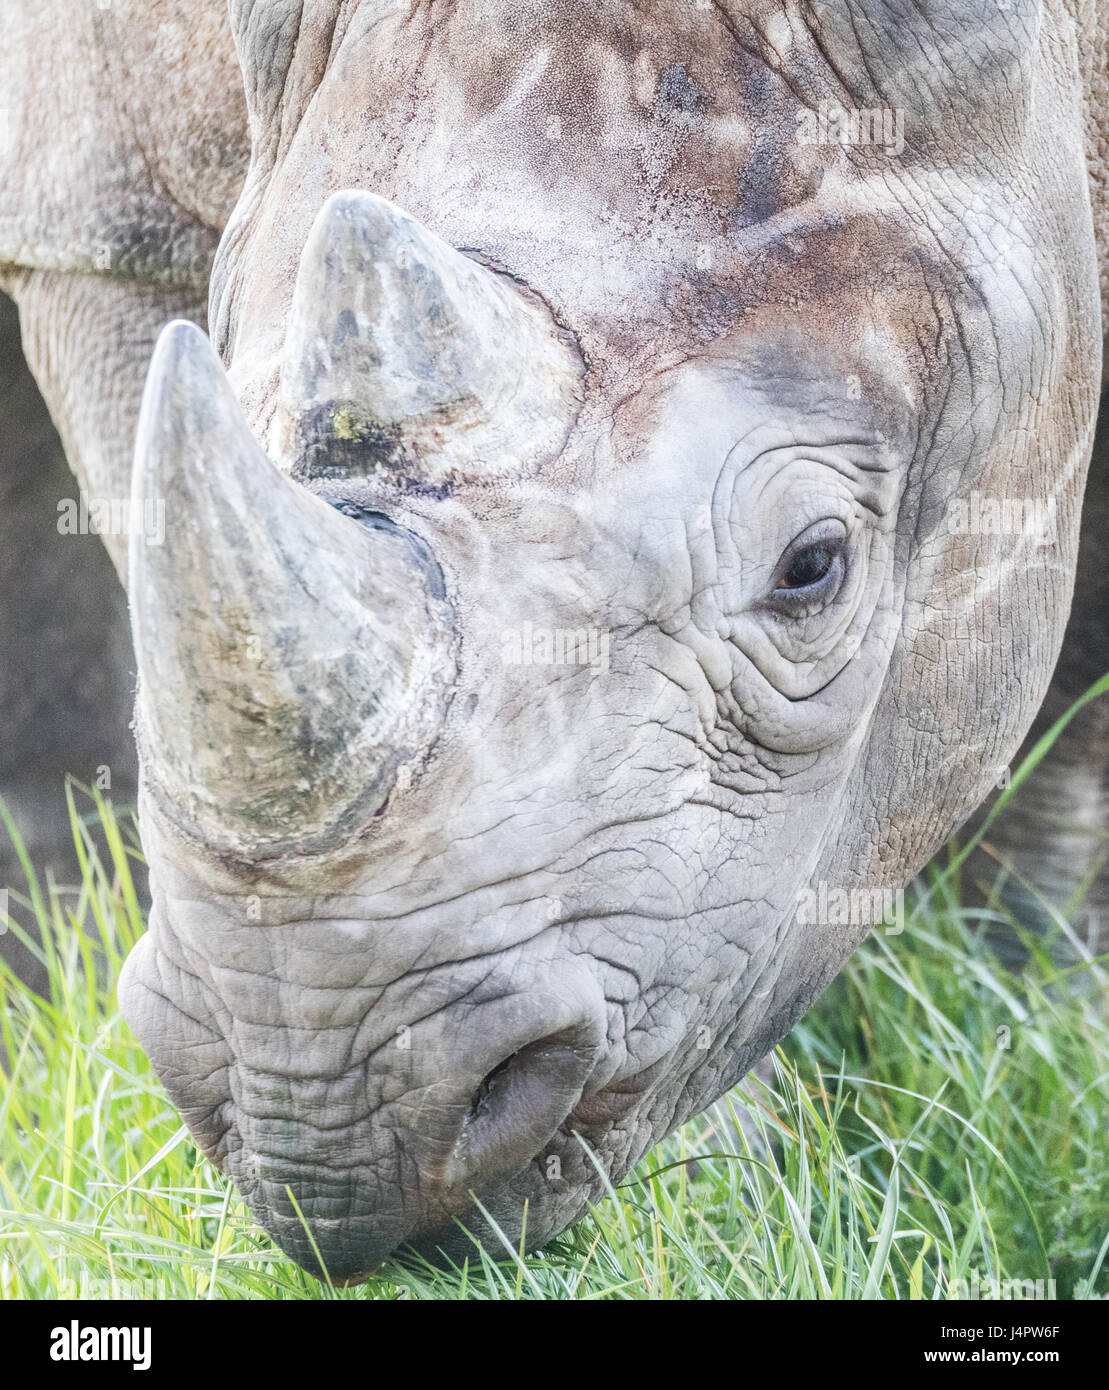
(620, 470)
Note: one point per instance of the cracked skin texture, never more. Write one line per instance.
(593, 875)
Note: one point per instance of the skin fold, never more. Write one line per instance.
(530, 320)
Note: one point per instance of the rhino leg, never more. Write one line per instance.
(1055, 833)
(64, 676)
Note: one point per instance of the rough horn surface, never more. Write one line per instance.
(403, 353)
(291, 660)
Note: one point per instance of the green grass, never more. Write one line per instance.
(903, 1144)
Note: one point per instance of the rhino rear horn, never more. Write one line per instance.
(402, 353)
(290, 659)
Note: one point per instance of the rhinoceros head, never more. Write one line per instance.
(559, 591)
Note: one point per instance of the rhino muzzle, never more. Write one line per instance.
(477, 1106)
(350, 1141)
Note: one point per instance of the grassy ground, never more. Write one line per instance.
(940, 1116)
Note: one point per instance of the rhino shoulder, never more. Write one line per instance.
(123, 139)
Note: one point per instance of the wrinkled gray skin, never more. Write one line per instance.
(423, 916)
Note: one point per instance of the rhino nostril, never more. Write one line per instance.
(488, 1087)
(518, 1106)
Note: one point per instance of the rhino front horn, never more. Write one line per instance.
(290, 659)
(403, 354)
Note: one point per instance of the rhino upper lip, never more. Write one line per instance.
(613, 1101)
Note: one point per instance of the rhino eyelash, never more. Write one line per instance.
(374, 521)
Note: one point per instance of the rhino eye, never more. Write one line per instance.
(811, 571)
(808, 567)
